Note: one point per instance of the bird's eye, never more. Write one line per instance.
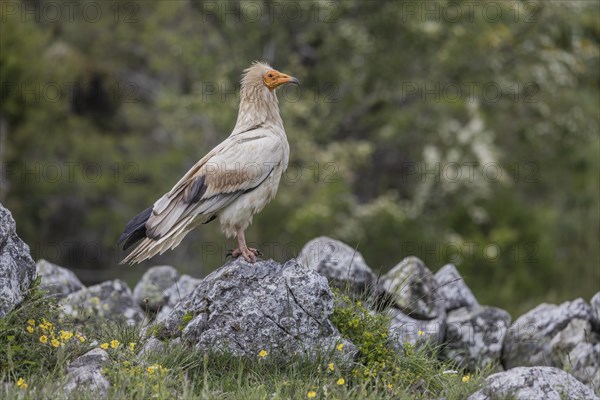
(270, 75)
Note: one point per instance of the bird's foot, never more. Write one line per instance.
(248, 253)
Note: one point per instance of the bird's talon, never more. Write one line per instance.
(248, 253)
(256, 252)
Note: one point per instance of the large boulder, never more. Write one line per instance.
(411, 287)
(17, 268)
(84, 375)
(342, 265)
(244, 308)
(111, 300)
(453, 290)
(149, 293)
(527, 383)
(474, 336)
(57, 281)
(528, 341)
(177, 292)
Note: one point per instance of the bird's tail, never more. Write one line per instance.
(146, 249)
(150, 247)
(135, 229)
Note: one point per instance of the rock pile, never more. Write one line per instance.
(285, 309)
(440, 308)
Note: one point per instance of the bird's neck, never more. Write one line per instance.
(258, 108)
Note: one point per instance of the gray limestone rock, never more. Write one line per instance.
(342, 265)
(411, 287)
(528, 341)
(577, 331)
(453, 290)
(474, 336)
(149, 293)
(527, 383)
(58, 281)
(111, 300)
(84, 375)
(244, 308)
(17, 268)
(578, 348)
(152, 346)
(177, 292)
(404, 329)
(595, 303)
(584, 364)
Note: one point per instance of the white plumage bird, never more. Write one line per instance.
(234, 181)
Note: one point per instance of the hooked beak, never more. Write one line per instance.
(293, 80)
(283, 78)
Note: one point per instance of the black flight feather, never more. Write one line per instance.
(196, 190)
(135, 229)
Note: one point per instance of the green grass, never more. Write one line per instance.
(181, 371)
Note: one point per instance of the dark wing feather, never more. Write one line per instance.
(135, 229)
(195, 190)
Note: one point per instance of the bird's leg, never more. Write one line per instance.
(248, 253)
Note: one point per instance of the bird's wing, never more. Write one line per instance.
(238, 165)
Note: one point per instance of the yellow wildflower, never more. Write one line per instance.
(55, 343)
(466, 378)
(341, 381)
(420, 333)
(331, 367)
(390, 386)
(104, 346)
(311, 395)
(131, 346)
(65, 335)
(43, 339)
(80, 338)
(21, 383)
(29, 329)
(46, 325)
(263, 354)
(114, 343)
(340, 347)
(32, 323)
(157, 368)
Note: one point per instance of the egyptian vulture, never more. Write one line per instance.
(234, 181)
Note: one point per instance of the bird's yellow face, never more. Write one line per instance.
(273, 79)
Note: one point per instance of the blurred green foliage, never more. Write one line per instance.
(454, 132)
